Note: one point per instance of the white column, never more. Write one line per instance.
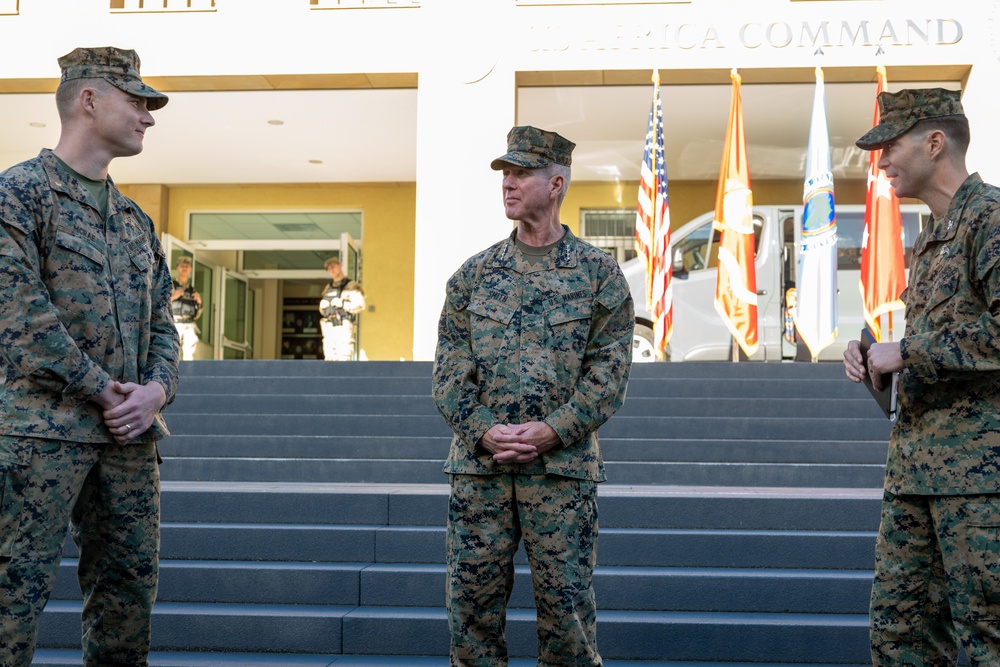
(980, 104)
(465, 107)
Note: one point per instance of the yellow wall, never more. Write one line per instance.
(388, 242)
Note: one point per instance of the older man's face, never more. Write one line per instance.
(526, 192)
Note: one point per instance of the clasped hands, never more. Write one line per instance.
(519, 443)
(129, 408)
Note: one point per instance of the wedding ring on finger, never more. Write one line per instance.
(128, 428)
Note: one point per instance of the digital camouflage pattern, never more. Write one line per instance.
(914, 601)
(946, 439)
(557, 519)
(115, 520)
(937, 572)
(520, 342)
(119, 67)
(547, 342)
(530, 147)
(898, 112)
(82, 301)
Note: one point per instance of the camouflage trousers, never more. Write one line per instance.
(937, 581)
(488, 515)
(109, 496)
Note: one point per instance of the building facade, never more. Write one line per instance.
(298, 128)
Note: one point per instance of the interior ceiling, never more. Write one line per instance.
(369, 135)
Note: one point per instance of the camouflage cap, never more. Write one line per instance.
(119, 67)
(530, 147)
(185, 260)
(898, 112)
(335, 259)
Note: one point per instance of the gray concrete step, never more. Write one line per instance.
(753, 590)
(304, 507)
(659, 449)
(60, 658)
(408, 631)
(622, 547)
(428, 471)
(422, 405)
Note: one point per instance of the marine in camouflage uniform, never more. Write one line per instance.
(88, 354)
(534, 351)
(937, 571)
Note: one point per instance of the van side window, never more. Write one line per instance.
(850, 237)
(699, 253)
(695, 247)
(850, 232)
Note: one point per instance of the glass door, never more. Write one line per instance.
(236, 302)
(350, 256)
(202, 278)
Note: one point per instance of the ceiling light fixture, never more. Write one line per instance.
(35, 123)
(315, 162)
(275, 122)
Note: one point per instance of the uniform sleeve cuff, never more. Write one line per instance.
(916, 359)
(87, 386)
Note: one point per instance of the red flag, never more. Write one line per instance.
(736, 282)
(652, 226)
(883, 271)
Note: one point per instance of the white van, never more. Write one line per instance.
(701, 335)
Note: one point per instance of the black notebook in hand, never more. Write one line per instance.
(886, 397)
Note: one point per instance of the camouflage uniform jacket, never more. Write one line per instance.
(947, 437)
(82, 301)
(518, 343)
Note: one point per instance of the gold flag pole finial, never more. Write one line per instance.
(656, 77)
(735, 76)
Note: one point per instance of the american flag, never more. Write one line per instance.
(652, 226)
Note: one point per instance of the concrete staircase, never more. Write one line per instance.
(304, 509)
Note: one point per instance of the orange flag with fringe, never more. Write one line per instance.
(736, 282)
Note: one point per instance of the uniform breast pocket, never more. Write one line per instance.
(86, 262)
(569, 325)
(78, 254)
(941, 302)
(143, 262)
(490, 321)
